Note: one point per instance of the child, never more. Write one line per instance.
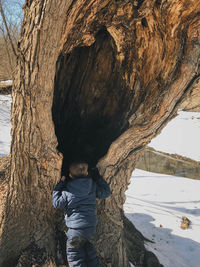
(77, 197)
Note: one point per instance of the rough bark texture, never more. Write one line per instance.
(192, 100)
(4, 180)
(98, 79)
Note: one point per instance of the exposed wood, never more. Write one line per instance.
(4, 180)
(99, 79)
(192, 101)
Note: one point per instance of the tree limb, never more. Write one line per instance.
(8, 32)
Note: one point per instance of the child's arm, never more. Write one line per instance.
(102, 189)
(59, 199)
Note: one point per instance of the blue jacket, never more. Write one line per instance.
(78, 198)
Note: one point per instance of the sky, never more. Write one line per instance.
(181, 136)
(13, 12)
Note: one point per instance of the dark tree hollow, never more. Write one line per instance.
(91, 101)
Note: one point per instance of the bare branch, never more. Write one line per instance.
(7, 51)
(7, 29)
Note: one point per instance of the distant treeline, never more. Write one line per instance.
(7, 61)
(11, 14)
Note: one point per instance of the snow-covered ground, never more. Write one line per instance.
(155, 204)
(5, 139)
(7, 81)
(181, 136)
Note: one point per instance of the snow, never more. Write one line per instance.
(180, 136)
(155, 204)
(7, 81)
(5, 126)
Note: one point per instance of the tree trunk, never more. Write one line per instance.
(95, 80)
(192, 101)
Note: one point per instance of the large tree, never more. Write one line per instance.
(94, 80)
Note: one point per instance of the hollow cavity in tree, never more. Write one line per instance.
(91, 101)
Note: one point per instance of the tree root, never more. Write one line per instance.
(137, 252)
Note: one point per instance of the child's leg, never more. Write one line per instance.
(90, 251)
(76, 255)
(91, 255)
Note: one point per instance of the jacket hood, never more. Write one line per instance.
(81, 186)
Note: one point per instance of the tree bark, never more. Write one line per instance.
(95, 80)
(192, 101)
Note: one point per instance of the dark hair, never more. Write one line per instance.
(77, 169)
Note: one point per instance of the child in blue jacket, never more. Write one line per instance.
(77, 197)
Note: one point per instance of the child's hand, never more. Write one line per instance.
(94, 172)
(63, 178)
